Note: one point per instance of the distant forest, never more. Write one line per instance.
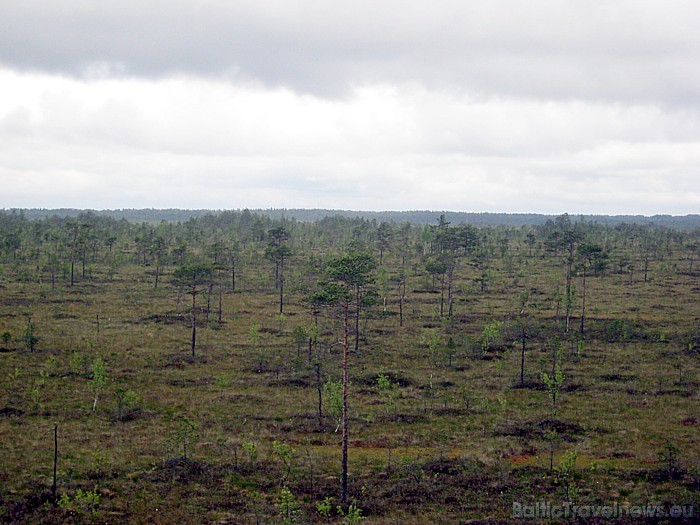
(412, 217)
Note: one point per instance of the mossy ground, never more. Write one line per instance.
(461, 440)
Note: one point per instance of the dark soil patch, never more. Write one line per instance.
(397, 378)
(680, 392)
(294, 382)
(11, 412)
(539, 428)
(182, 360)
(617, 377)
(303, 423)
(167, 319)
(622, 455)
(402, 418)
(531, 385)
(62, 315)
(16, 301)
(450, 411)
(186, 381)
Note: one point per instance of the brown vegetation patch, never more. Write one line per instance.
(531, 385)
(11, 412)
(167, 319)
(16, 301)
(187, 381)
(450, 411)
(294, 382)
(522, 458)
(63, 315)
(617, 377)
(539, 428)
(402, 418)
(397, 378)
(622, 455)
(179, 361)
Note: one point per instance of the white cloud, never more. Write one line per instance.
(499, 106)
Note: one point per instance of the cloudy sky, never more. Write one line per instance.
(550, 106)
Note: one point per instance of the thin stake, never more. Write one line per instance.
(55, 460)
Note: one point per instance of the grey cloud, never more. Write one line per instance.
(617, 49)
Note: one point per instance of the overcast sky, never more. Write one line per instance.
(549, 106)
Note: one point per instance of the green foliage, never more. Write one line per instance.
(565, 475)
(193, 276)
(434, 343)
(51, 365)
(553, 439)
(30, 339)
(388, 392)
(554, 384)
(254, 335)
(352, 515)
(466, 396)
(450, 350)
(277, 248)
(325, 507)
(14, 375)
(353, 269)
(289, 507)
(222, 382)
(299, 336)
(34, 394)
(98, 379)
(332, 294)
(78, 363)
(669, 458)
(333, 393)
(491, 337)
(82, 501)
(127, 403)
(183, 438)
(251, 449)
(286, 455)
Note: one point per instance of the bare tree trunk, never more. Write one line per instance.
(450, 276)
(583, 299)
(319, 390)
(522, 357)
(401, 294)
(55, 461)
(280, 278)
(220, 297)
(194, 319)
(344, 460)
(569, 264)
(442, 295)
(358, 297)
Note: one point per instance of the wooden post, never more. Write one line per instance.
(55, 460)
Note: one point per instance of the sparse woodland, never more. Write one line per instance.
(234, 368)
